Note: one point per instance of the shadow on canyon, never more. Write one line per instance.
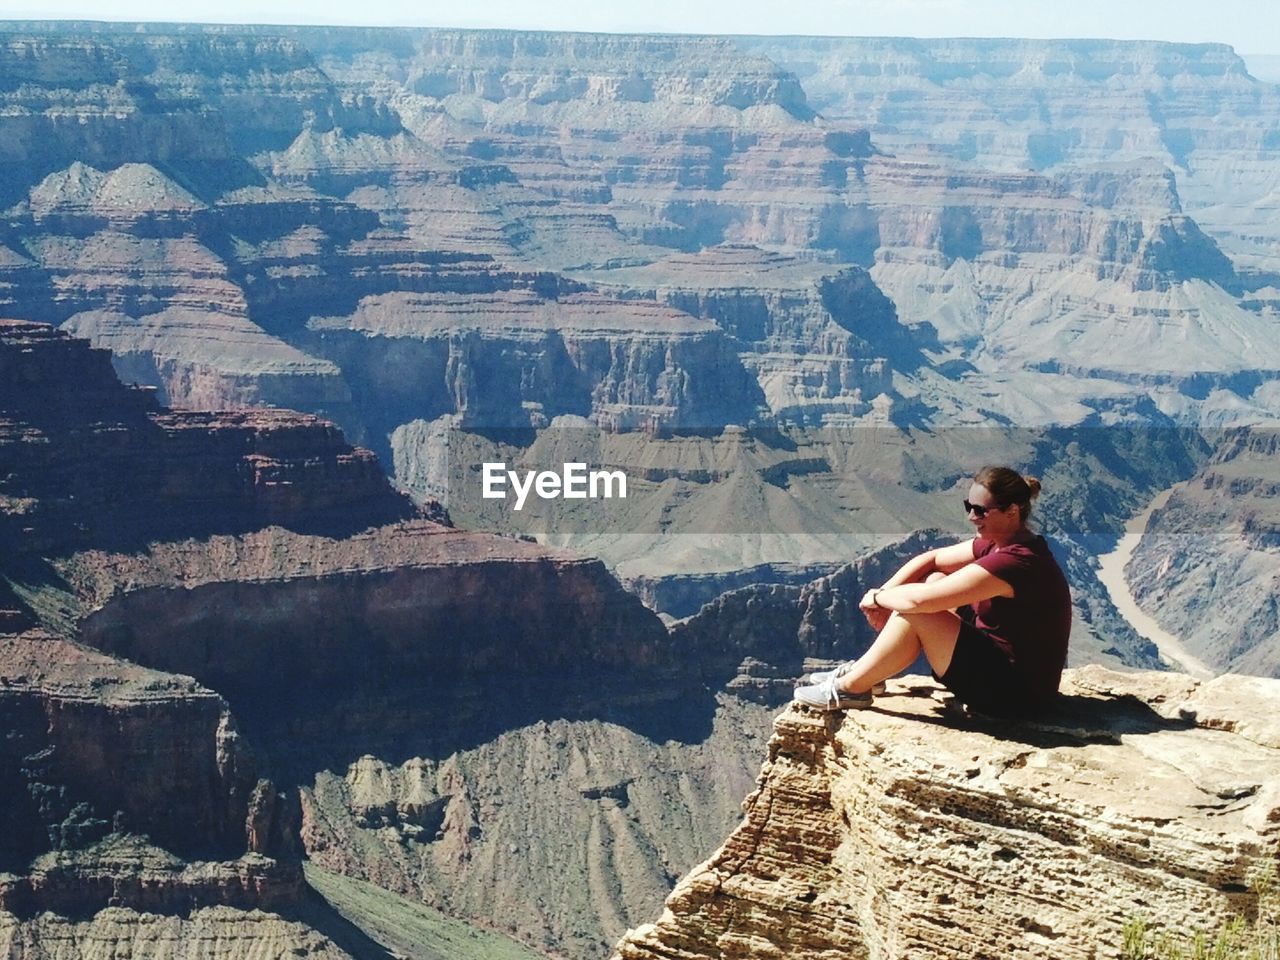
(303, 729)
(317, 913)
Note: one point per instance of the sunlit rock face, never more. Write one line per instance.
(1038, 104)
(902, 831)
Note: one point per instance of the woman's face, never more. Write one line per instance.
(995, 523)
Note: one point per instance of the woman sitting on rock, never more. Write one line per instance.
(1003, 652)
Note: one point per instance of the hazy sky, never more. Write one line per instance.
(1251, 26)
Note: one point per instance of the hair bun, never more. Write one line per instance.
(1034, 484)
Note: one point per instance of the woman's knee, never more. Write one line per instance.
(937, 634)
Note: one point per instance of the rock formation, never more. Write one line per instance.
(900, 831)
(131, 804)
(206, 614)
(1207, 568)
(455, 176)
(820, 343)
(1192, 108)
(103, 465)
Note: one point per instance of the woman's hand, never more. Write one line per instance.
(876, 615)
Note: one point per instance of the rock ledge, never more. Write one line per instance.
(910, 831)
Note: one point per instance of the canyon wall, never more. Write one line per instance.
(1206, 566)
(227, 637)
(409, 200)
(1193, 109)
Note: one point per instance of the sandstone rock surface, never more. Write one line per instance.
(904, 832)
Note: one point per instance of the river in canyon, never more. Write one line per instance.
(1111, 573)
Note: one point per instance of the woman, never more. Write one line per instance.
(1004, 652)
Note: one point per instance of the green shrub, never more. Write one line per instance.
(1237, 939)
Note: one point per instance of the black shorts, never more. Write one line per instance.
(982, 677)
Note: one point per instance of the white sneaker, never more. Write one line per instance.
(822, 676)
(828, 697)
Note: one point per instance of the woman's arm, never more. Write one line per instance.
(941, 560)
(970, 584)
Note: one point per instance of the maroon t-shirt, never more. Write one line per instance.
(1032, 627)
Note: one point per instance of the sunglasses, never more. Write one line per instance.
(977, 510)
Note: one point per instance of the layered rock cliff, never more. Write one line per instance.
(1193, 108)
(905, 831)
(1206, 567)
(94, 745)
(449, 176)
(820, 343)
(103, 465)
(1091, 246)
(208, 615)
(132, 806)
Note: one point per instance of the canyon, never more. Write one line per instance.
(797, 289)
(1225, 611)
(220, 596)
(258, 651)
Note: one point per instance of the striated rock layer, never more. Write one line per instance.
(820, 341)
(221, 933)
(102, 465)
(1208, 565)
(1020, 103)
(902, 832)
(207, 619)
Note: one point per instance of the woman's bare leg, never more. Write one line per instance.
(897, 646)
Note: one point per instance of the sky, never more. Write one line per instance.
(1251, 26)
